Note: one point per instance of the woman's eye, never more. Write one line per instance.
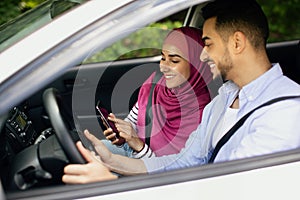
(175, 61)
(163, 59)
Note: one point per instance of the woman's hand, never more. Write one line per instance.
(126, 131)
(93, 171)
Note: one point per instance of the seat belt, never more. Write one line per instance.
(149, 114)
(228, 135)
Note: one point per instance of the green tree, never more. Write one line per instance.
(9, 9)
(283, 17)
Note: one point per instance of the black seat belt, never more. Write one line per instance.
(228, 135)
(149, 114)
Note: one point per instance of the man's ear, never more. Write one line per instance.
(238, 42)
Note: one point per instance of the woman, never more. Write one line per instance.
(178, 99)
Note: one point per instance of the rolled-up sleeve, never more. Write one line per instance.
(188, 156)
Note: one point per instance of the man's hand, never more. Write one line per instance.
(93, 171)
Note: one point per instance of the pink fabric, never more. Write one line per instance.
(177, 111)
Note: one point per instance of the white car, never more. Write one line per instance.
(59, 59)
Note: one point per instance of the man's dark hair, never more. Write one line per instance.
(239, 15)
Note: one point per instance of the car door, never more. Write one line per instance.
(111, 76)
(192, 183)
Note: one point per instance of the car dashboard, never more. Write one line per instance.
(19, 130)
(27, 158)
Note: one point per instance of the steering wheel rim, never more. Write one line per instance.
(61, 132)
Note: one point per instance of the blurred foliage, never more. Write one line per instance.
(141, 43)
(284, 22)
(283, 16)
(284, 19)
(9, 9)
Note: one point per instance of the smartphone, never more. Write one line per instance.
(107, 123)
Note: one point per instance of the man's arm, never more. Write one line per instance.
(117, 163)
(99, 167)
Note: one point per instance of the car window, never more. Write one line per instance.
(143, 42)
(32, 20)
(284, 23)
(284, 19)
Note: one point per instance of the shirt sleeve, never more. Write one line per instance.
(196, 151)
(146, 152)
(133, 116)
(188, 157)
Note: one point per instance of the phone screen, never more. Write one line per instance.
(104, 117)
(109, 124)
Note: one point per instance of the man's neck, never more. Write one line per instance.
(249, 67)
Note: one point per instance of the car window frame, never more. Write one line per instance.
(138, 182)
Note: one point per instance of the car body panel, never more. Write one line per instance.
(255, 184)
(57, 63)
(268, 176)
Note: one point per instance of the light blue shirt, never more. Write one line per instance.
(270, 129)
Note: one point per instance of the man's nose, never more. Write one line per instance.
(204, 56)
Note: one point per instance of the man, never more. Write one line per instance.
(235, 34)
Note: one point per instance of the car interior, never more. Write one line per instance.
(33, 148)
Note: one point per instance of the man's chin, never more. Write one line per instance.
(215, 72)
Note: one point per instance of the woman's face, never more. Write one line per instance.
(174, 66)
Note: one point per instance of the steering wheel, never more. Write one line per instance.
(50, 99)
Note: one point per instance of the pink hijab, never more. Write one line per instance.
(177, 111)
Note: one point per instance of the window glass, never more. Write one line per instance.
(15, 30)
(142, 43)
(284, 19)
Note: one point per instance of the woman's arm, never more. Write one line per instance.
(132, 117)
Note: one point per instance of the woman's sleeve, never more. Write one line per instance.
(133, 116)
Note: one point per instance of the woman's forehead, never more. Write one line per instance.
(173, 50)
